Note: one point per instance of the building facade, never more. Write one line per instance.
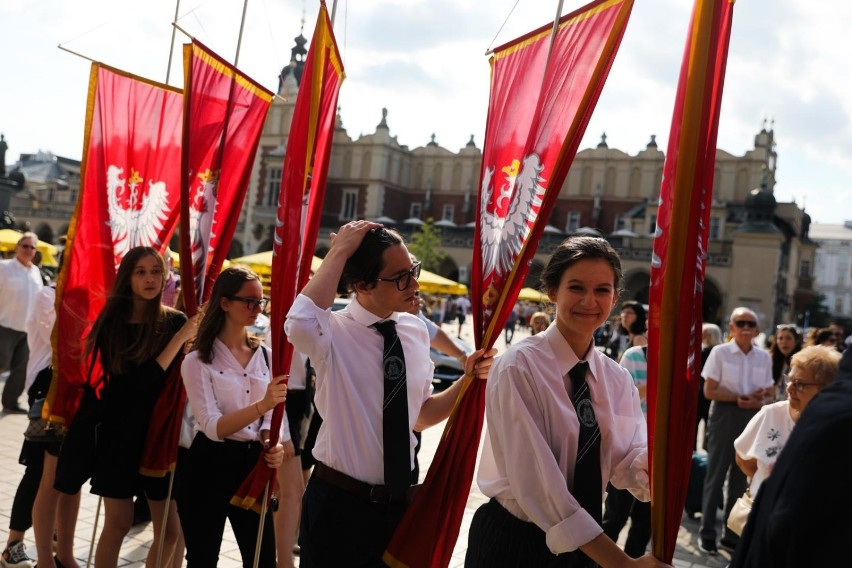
(760, 254)
(832, 268)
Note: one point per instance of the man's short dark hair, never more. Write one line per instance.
(365, 264)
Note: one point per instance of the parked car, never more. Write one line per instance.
(448, 368)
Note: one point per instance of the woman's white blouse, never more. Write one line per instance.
(763, 438)
(224, 386)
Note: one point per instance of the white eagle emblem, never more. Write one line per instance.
(136, 217)
(202, 207)
(507, 222)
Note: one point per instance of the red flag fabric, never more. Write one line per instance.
(129, 191)
(223, 118)
(677, 268)
(543, 90)
(299, 210)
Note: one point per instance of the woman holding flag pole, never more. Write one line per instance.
(556, 436)
(231, 391)
(136, 339)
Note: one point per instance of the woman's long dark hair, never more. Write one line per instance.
(640, 325)
(779, 360)
(227, 284)
(122, 346)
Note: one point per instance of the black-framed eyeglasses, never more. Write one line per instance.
(28, 247)
(745, 323)
(252, 303)
(800, 386)
(404, 281)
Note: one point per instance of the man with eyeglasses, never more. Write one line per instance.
(738, 382)
(366, 356)
(20, 281)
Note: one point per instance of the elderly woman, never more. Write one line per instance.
(763, 438)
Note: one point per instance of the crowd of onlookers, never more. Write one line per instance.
(752, 390)
(754, 387)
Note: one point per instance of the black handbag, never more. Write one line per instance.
(40, 430)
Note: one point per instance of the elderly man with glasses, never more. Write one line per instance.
(738, 382)
(20, 281)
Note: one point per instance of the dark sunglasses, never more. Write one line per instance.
(745, 323)
(404, 281)
(251, 303)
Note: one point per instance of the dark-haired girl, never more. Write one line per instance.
(545, 464)
(232, 394)
(136, 339)
(786, 342)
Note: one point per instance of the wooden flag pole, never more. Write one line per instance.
(94, 531)
(165, 518)
(260, 526)
(172, 44)
(240, 38)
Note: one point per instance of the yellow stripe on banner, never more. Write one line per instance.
(71, 235)
(228, 71)
(693, 86)
(546, 31)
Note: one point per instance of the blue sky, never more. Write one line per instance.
(424, 61)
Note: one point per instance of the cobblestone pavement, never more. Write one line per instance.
(138, 542)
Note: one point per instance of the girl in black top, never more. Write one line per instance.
(136, 339)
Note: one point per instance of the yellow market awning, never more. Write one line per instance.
(261, 264)
(533, 295)
(9, 239)
(432, 283)
(176, 260)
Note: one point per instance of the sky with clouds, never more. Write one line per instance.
(424, 60)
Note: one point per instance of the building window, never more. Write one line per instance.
(447, 214)
(619, 223)
(838, 305)
(415, 210)
(349, 207)
(573, 222)
(842, 269)
(273, 187)
(652, 224)
(715, 228)
(805, 269)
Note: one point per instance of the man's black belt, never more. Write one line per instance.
(373, 493)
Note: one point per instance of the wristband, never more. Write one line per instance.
(257, 408)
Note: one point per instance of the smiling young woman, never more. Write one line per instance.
(546, 500)
(232, 394)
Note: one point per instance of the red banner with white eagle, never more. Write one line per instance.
(300, 207)
(129, 191)
(544, 87)
(223, 117)
(677, 267)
